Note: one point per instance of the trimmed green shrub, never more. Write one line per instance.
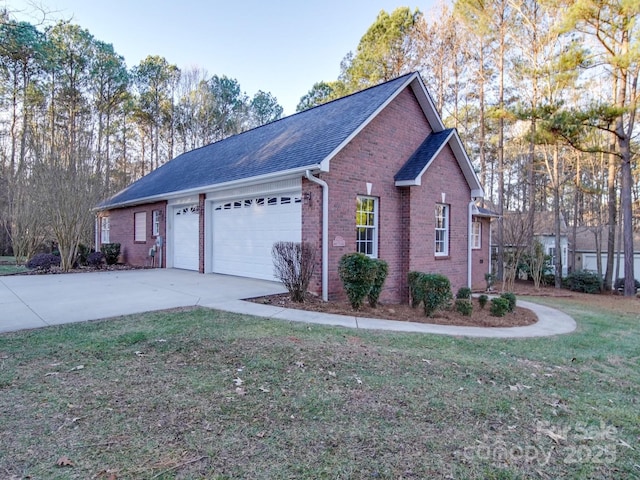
(463, 293)
(43, 261)
(357, 273)
(83, 254)
(433, 290)
(511, 298)
(582, 281)
(482, 300)
(437, 292)
(382, 269)
(499, 306)
(416, 288)
(111, 252)
(464, 306)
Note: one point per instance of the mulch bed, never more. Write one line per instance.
(404, 313)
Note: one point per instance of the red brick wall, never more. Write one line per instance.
(121, 222)
(312, 228)
(375, 155)
(406, 221)
(480, 257)
(443, 176)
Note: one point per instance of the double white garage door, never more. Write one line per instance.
(242, 233)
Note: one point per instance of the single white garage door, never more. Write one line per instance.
(245, 230)
(186, 234)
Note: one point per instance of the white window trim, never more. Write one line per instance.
(446, 217)
(140, 227)
(105, 228)
(476, 235)
(374, 227)
(155, 225)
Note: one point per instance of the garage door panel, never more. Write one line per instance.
(186, 235)
(245, 230)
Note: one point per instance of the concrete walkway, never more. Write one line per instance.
(34, 301)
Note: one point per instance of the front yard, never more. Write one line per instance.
(206, 394)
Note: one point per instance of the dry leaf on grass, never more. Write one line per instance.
(64, 461)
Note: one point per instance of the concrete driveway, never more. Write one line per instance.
(33, 301)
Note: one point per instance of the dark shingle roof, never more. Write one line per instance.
(421, 158)
(298, 141)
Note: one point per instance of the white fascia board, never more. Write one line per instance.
(426, 102)
(467, 167)
(324, 165)
(409, 183)
(300, 171)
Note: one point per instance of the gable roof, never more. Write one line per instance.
(304, 141)
(411, 172)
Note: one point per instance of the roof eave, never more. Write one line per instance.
(213, 187)
(409, 183)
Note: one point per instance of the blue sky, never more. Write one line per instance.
(278, 46)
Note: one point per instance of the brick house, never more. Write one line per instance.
(375, 172)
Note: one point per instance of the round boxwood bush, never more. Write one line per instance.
(464, 306)
(511, 298)
(499, 306)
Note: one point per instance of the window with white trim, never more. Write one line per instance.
(476, 235)
(553, 258)
(442, 230)
(140, 227)
(104, 229)
(155, 225)
(367, 226)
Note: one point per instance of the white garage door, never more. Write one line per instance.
(245, 230)
(186, 229)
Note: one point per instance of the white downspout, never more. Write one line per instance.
(325, 233)
(97, 233)
(470, 242)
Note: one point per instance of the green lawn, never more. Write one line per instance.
(206, 394)
(8, 266)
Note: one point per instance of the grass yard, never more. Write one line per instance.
(204, 394)
(8, 266)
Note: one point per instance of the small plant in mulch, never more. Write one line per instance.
(433, 290)
(499, 306)
(464, 306)
(511, 298)
(482, 300)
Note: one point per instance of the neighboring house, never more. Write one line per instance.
(374, 172)
(515, 227)
(588, 239)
